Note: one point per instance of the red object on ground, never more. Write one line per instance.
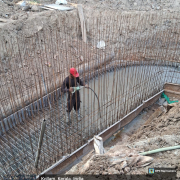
(74, 72)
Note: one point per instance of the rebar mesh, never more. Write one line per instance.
(138, 59)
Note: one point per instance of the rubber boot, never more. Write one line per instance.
(79, 117)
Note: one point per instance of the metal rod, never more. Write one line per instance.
(43, 126)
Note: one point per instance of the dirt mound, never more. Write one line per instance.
(167, 124)
(131, 4)
(124, 157)
(119, 160)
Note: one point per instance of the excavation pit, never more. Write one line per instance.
(127, 76)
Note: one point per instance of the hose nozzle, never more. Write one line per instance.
(76, 89)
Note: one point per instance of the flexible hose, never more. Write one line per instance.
(96, 97)
(160, 150)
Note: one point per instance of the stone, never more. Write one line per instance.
(123, 165)
(22, 3)
(121, 171)
(177, 116)
(161, 101)
(16, 8)
(104, 173)
(39, 28)
(171, 116)
(158, 7)
(20, 66)
(117, 167)
(174, 120)
(176, 153)
(19, 27)
(26, 8)
(113, 171)
(126, 169)
(35, 8)
(165, 104)
(15, 17)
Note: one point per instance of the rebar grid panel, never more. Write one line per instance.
(134, 65)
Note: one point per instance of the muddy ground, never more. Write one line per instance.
(154, 128)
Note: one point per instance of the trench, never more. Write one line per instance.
(120, 90)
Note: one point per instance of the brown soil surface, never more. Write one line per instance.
(162, 131)
(167, 124)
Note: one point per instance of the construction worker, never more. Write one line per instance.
(73, 98)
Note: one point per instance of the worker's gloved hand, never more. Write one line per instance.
(71, 89)
(86, 85)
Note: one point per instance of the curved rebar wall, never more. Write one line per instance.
(137, 61)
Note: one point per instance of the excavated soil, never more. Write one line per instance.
(163, 130)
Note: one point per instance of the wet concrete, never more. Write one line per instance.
(122, 90)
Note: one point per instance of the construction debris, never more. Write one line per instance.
(115, 162)
(126, 157)
(98, 145)
(26, 8)
(58, 7)
(22, 3)
(35, 8)
(58, 2)
(101, 45)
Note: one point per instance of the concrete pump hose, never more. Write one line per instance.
(160, 150)
(96, 97)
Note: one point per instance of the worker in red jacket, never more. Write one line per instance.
(73, 100)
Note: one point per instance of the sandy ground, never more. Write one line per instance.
(152, 129)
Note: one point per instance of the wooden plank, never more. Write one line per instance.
(172, 92)
(172, 87)
(83, 26)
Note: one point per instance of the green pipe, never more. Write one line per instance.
(160, 150)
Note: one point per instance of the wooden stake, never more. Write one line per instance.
(83, 26)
